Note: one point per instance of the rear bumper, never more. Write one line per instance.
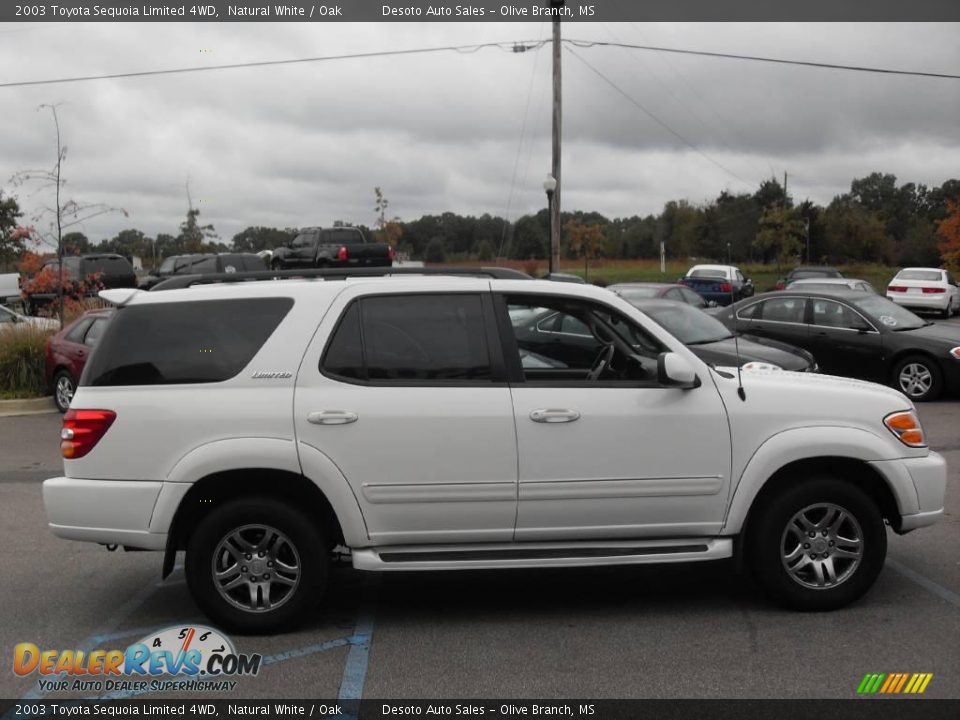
(103, 511)
(925, 302)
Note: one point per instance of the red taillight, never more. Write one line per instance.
(82, 430)
(342, 254)
(392, 253)
(781, 285)
(726, 287)
(933, 291)
(896, 288)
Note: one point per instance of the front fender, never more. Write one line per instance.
(809, 443)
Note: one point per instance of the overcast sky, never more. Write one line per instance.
(298, 145)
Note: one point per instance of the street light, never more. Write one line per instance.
(729, 256)
(550, 186)
(806, 222)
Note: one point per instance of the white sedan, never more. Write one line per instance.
(9, 318)
(925, 289)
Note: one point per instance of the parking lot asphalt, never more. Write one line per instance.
(652, 632)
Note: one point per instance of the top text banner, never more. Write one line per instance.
(573, 11)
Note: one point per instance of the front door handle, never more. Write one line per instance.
(331, 417)
(554, 415)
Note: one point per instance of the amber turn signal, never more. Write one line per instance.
(906, 427)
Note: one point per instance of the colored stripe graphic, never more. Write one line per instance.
(894, 683)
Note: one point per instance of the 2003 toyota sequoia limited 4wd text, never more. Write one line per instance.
(259, 425)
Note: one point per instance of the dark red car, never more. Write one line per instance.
(67, 353)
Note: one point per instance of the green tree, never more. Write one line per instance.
(76, 243)
(193, 235)
(781, 235)
(435, 252)
(855, 233)
(529, 239)
(256, 238)
(11, 241)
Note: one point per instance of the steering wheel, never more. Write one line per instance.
(601, 363)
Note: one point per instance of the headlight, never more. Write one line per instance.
(955, 353)
(906, 426)
(760, 366)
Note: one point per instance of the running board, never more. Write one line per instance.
(527, 555)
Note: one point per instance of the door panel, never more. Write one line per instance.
(604, 450)
(843, 342)
(637, 462)
(429, 460)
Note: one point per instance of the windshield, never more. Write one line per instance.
(933, 275)
(888, 313)
(688, 324)
(636, 293)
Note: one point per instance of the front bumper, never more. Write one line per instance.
(919, 485)
(112, 512)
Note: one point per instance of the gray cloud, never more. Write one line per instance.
(305, 144)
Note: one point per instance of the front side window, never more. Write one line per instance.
(304, 240)
(95, 331)
(828, 313)
(411, 338)
(78, 331)
(564, 340)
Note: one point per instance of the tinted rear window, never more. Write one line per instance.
(343, 237)
(107, 266)
(187, 342)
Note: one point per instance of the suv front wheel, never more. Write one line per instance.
(818, 545)
(256, 565)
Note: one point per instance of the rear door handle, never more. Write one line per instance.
(331, 417)
(554, 415)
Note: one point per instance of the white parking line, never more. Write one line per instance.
(939, 590)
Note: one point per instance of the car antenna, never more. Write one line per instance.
(736, 346)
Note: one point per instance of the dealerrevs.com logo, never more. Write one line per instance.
(193, 658)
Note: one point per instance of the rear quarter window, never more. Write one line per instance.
(184, 342)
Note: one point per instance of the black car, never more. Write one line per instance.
(859, 335)
(203, 263)
(550, 339)
(667, 291)
(806, 273)
(711, 341)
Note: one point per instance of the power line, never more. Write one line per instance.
(657, 120)
(463, 49)
(757, 58)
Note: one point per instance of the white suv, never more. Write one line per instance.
(440, 423)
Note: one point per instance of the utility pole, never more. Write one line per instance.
(556, 6)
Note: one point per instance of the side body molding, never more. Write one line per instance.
(809, 443)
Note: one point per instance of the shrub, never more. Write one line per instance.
(22, 352)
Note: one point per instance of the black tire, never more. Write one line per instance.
(64, 386)
(770, 540)
(292, 602)
(929, 378)
(947, 311)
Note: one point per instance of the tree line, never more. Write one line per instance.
(878, 220)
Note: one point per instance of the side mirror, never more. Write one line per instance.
(675, 371)
(749, 281)
(711, 303)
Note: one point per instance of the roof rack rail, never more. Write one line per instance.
(182, 281)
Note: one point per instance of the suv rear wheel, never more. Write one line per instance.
(256, 565)
(818, 545)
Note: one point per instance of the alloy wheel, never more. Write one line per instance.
(256, 568)
(915, 379)
(822, 546)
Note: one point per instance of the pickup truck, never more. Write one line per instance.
(333, 247)
(723, 284)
